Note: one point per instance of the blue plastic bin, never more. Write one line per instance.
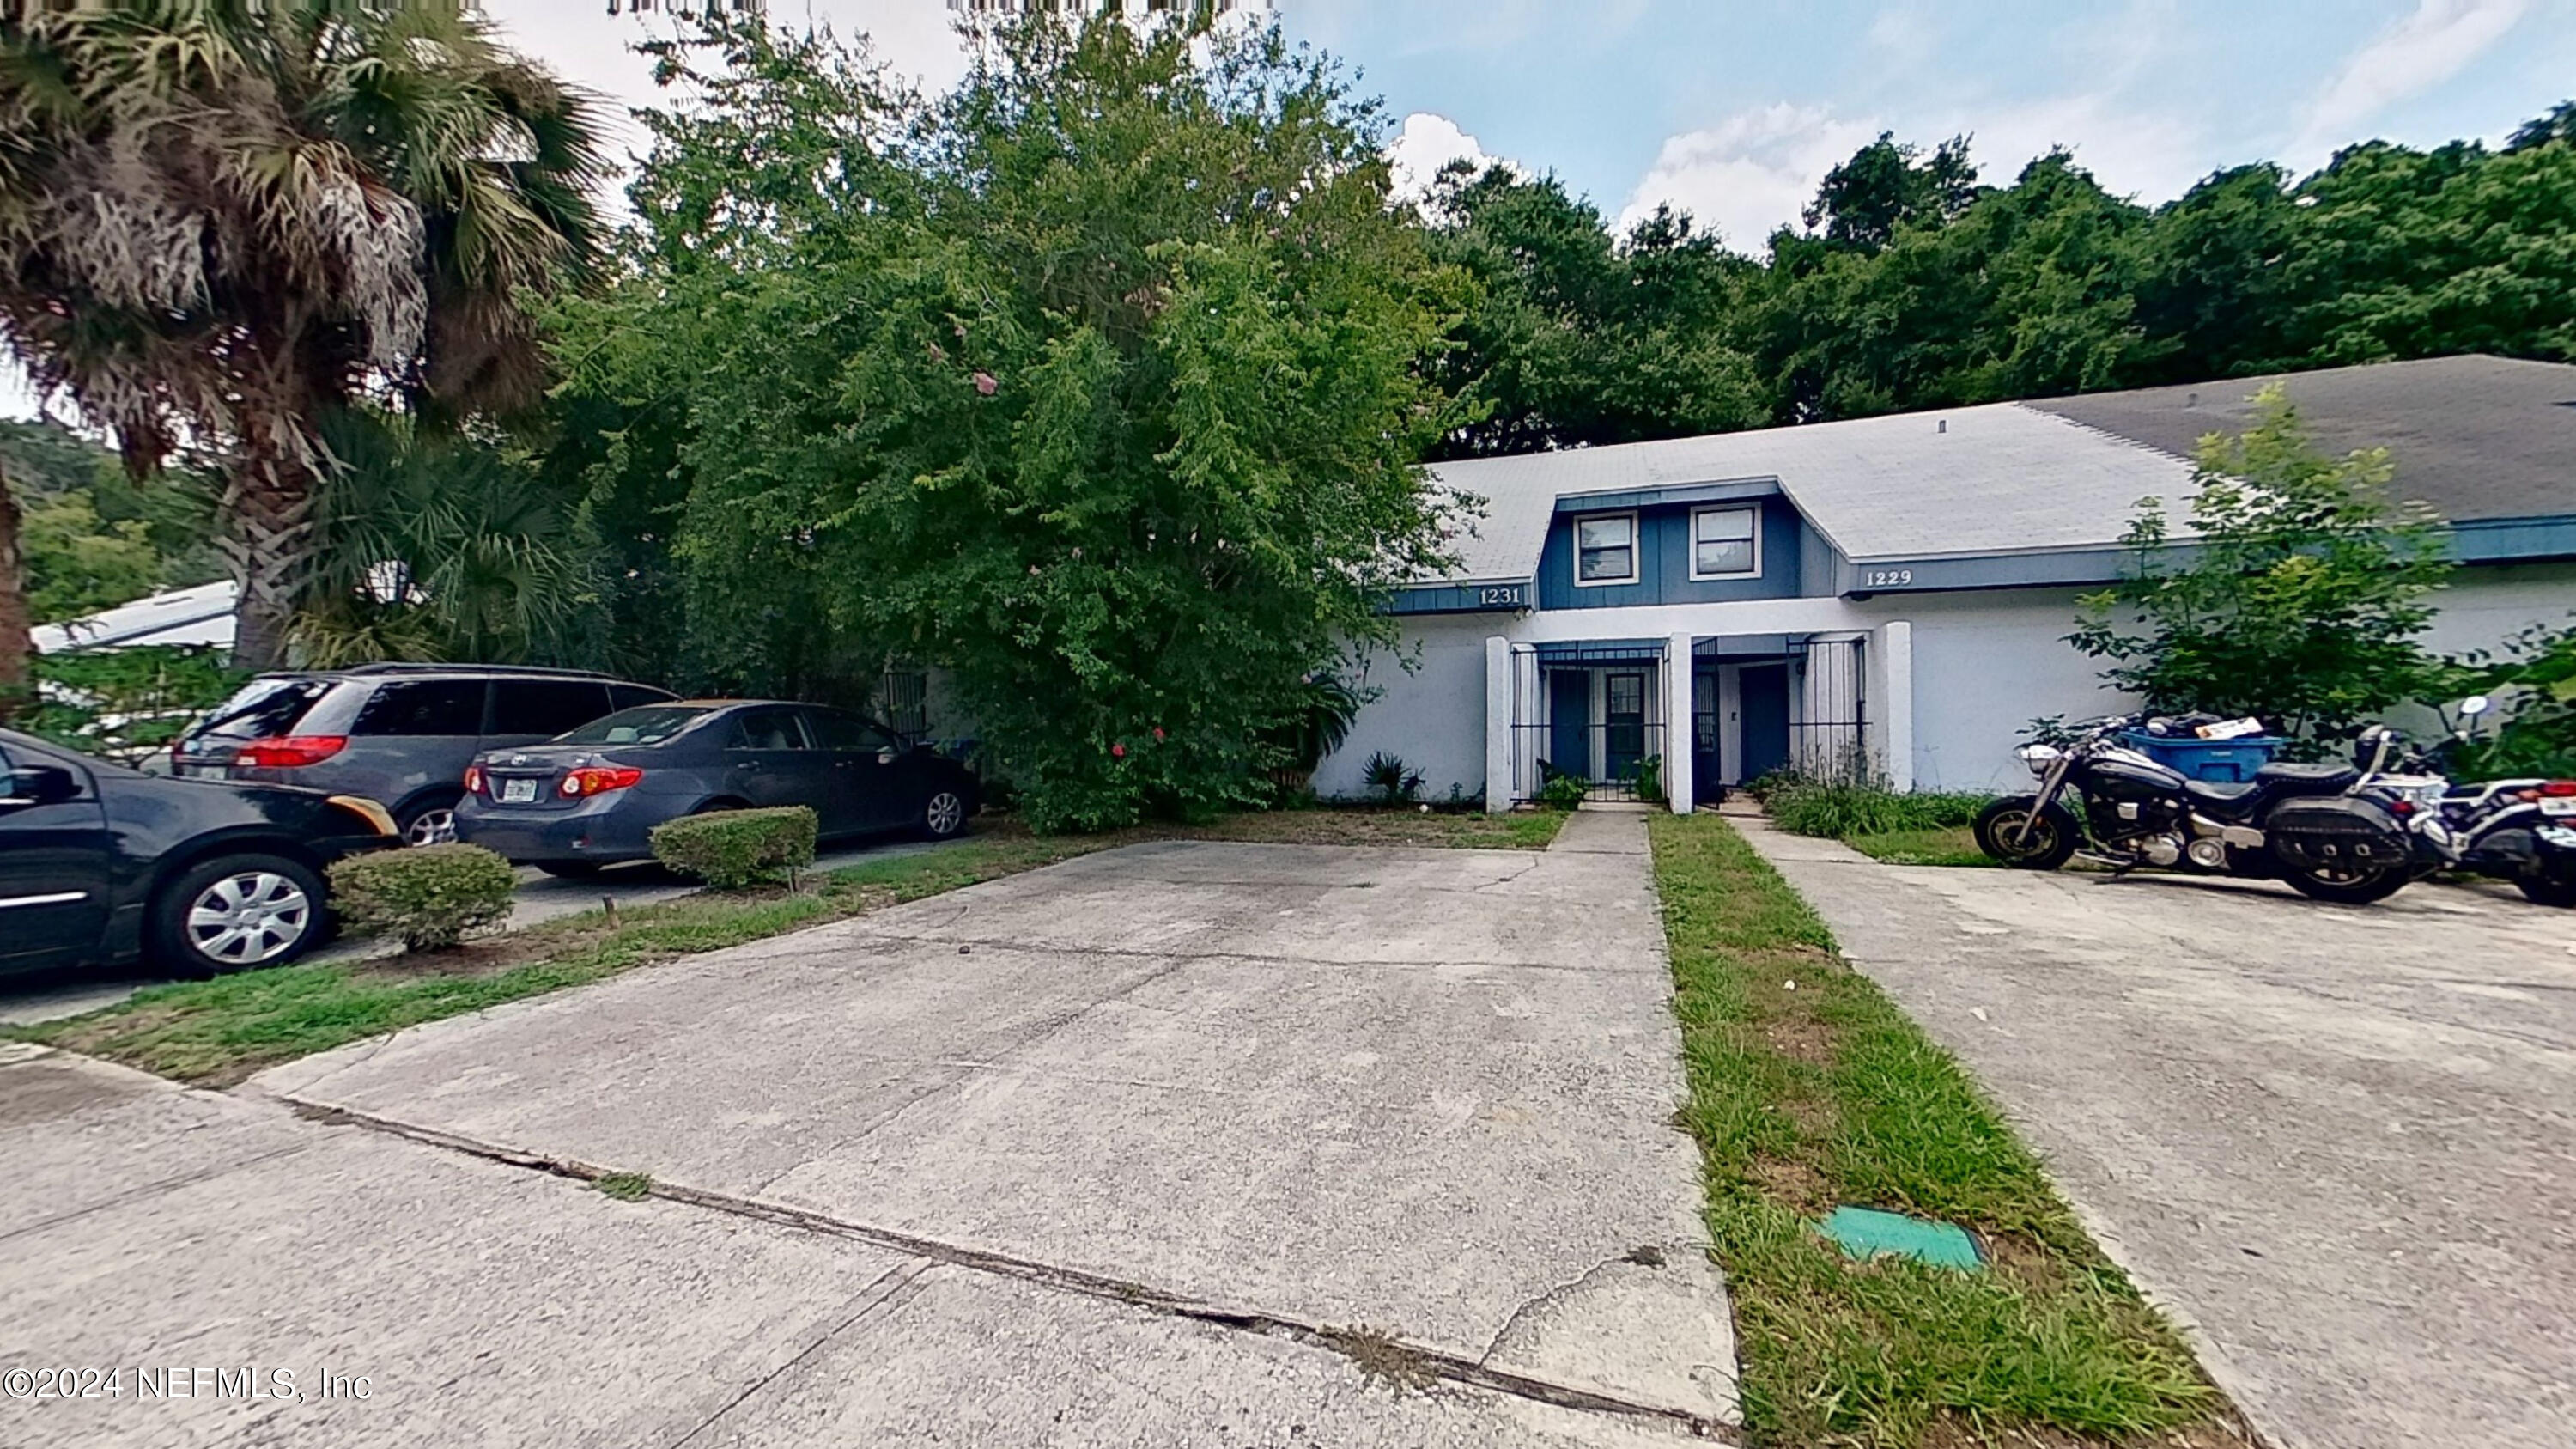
(2220, 762)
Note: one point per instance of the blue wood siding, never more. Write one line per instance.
(1663, 562)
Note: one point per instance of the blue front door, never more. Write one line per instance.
(1569, 721)
(1763, 690)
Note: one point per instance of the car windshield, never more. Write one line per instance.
(263, 707)
(646, 725)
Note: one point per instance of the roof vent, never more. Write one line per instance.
(1943, 427)
(2191, 400)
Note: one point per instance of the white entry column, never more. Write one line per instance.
(1896, 650)
(1498, 724)
(1679, 757)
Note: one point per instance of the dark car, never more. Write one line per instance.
(101, 865)
(399, 734)
(590, 798)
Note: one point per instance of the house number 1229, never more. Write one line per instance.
(1887, 578)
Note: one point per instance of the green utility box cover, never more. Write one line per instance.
(1866, 1233)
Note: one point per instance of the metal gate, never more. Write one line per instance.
(1829, 725)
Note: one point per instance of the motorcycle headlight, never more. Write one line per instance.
(2039, 757)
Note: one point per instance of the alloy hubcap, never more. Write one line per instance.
(432, 827)
(242, 920)
(946, 813)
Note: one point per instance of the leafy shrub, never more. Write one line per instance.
(125, 704)
(2534, 727)
(1395, 782)
(730, 849)
(1761, 787)
(1650, 779)
(429, 897)
(1562, 791)
(1837, 809)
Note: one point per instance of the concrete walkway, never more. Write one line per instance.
(2341, 1141)
(1176, 1144)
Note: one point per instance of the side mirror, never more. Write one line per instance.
(2475, 705)
(41, 785)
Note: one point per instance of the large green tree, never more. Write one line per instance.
(1575, 338)
(1097, 381)
(2300, 597)
(225, 219)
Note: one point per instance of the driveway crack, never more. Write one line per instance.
(1143, 1297)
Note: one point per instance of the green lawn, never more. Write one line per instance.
(217, 1032)
(1809, 1090)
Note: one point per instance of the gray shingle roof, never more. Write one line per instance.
(2477, 437)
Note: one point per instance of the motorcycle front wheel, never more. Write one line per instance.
(2048, 843)
(2346, 885)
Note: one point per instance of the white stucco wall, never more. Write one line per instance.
(1983, 664)
(1432, 717)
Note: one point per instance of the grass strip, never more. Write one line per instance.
(215, 1033)
(1808, 1090)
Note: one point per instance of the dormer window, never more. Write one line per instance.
(1726, 543)
(1605, 549)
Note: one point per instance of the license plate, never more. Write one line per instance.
(518, 792)
(2559, 805)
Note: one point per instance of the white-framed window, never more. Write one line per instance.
(1726, 543)
(1605, 549)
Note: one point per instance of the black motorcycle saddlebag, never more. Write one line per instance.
(2335, 830)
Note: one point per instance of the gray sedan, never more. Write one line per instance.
(590, 798)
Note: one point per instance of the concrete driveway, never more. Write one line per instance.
(2342, 1141)
(1176, 1144)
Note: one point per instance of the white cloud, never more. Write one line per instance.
(591, 48)
(1427, 143)
(1751, 173)
(2416, 54)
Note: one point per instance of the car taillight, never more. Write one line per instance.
(2560, 788)
(474, 780)
(289, 752)
(599, 780)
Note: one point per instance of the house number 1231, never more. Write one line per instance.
(1498, 598)
(1887, 578)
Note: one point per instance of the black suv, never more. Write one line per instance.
(400, 734)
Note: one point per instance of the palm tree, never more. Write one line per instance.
(434, 546)
(223, 220)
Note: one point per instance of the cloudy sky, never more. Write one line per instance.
(1733, 109)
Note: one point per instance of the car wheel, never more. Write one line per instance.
(944, 814)
(431, 822)
(571, 869)
(237, 912)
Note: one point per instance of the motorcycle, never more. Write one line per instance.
(2523, 831)
(2334, 832)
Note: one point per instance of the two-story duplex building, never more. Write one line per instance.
(1893, 591)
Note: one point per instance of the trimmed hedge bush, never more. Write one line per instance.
(730, 849)
(429, 897)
